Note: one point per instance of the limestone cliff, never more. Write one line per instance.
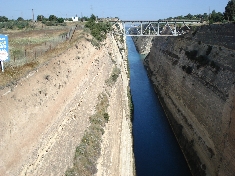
(194, 76)
(143, 44)
(45, 115)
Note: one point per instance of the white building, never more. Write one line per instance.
(75, 18)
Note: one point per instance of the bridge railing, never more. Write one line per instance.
(152, 27)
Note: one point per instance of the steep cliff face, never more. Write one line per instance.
(194, 76)
(45, 116)
(143, 44)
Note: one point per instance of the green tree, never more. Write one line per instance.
(60, 20)
(92, 18)
(20, 19)
(229, 13)
(205, 17)
(179, 17)
(52, 18)
(189, 16)
(40, 18)
(84, 19)
(3, 19)
(22, 24)
(216, 17)
(98, 30)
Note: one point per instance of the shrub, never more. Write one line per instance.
(98, 30)
(70, 172)
(171, 54)
(212, 64)
(202, 60)
(3, 19)
(22, 24)
(191, 54)
(52, 18)
(88, 151)
(215, 66)
(208, 51)
(106, 117)
(113, 78)
(60, 20)
(188, 70)
(51, 23)
(14, 24)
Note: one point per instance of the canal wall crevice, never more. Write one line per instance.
(194, 77)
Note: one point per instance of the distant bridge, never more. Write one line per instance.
(151, 27)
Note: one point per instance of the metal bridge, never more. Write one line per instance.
(152, 28)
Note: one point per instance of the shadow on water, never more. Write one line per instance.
(155, 147)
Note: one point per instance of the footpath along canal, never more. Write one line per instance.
(156, 150)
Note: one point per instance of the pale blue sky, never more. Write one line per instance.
(124, 9)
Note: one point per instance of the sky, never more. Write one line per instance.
(124, 9)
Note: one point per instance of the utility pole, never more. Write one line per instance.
(209, 15)
(91, 9)
(209, 11)
(33, 16)
(228, 16)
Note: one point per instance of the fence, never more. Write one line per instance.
(23, 54)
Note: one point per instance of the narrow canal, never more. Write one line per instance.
(156, 150)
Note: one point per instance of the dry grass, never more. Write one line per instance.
(88, 152)
(113, 77)
(20, 65)
(13, 74)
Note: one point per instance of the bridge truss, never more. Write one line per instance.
(152, 28)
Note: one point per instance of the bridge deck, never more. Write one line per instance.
(151, 27)
(152, 21)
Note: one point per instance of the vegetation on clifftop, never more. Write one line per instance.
(98, 30)
(213, 17)
(229, 13)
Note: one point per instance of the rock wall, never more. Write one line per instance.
(117, 157)
(143, 44)
(45, 115)
(194, 76)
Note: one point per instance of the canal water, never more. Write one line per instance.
(156, 150)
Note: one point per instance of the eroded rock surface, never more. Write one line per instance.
(194, 76)
(143, 44)
(45, 115)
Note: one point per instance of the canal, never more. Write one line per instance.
(156, 150)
